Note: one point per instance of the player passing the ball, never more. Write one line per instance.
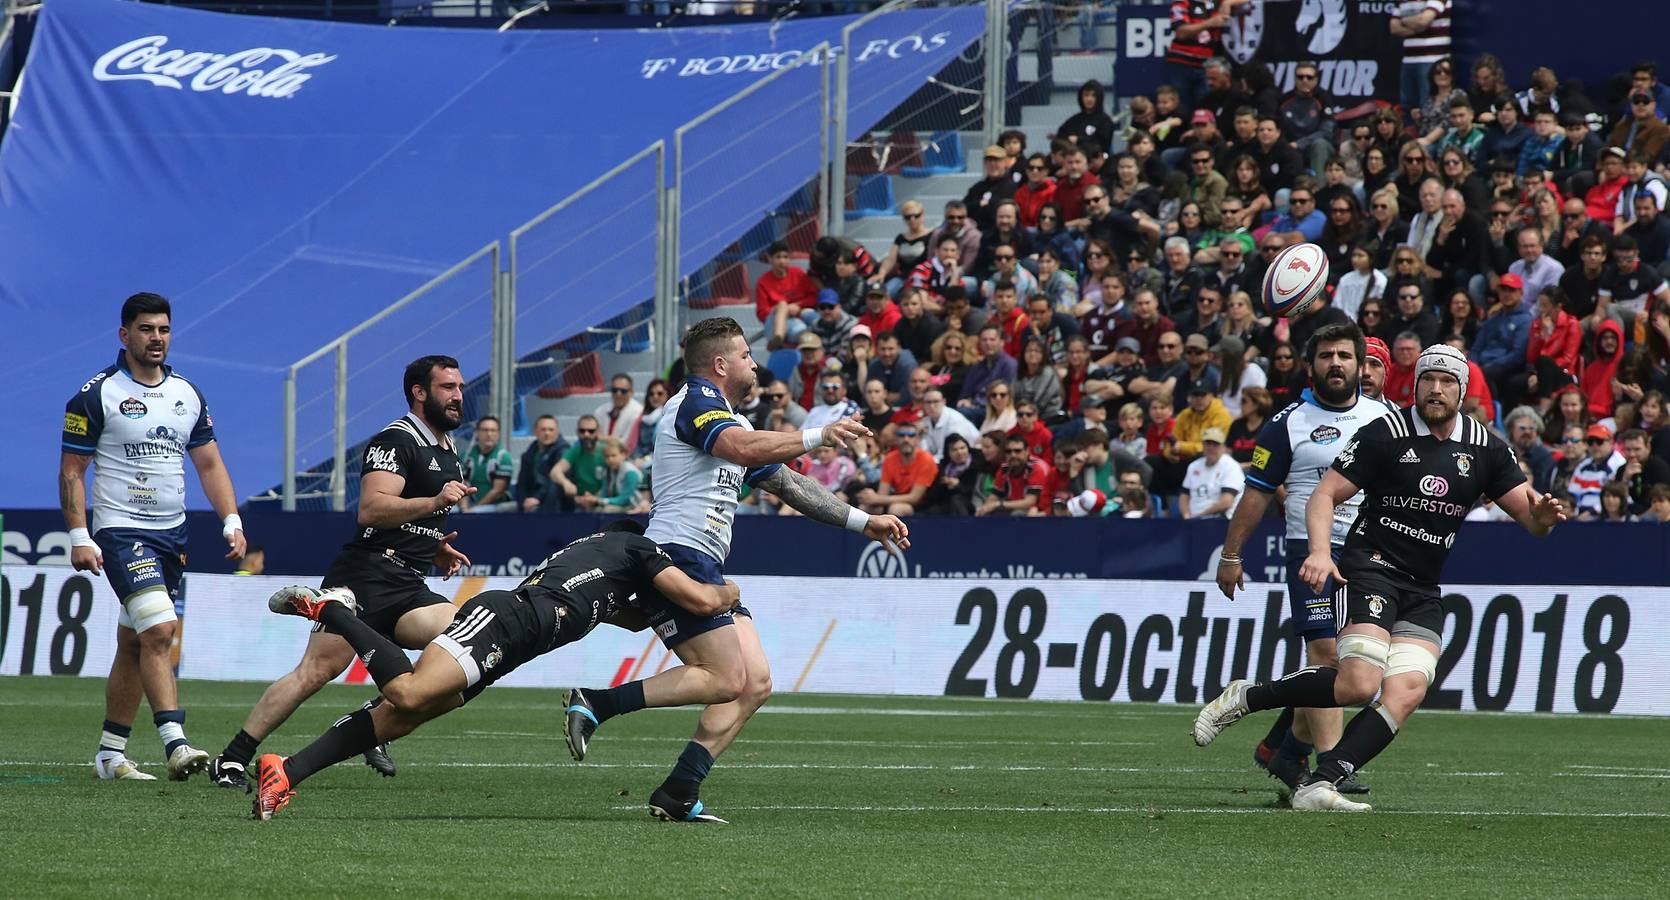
(704, 453)
(1420, 471)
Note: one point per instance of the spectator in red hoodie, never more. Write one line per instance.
(782, 294)
(881, 315)
(1596, 382)
(1038, 190)
(1553, 354)
(1601, 202)
(1029, 428)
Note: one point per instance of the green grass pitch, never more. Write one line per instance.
(836, 796)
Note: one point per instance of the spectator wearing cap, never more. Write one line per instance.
(1524, 427)
(939, 422)
(1204, 411)
(1641, 131)
(860, 354)
(1213, 483)
(1600, 203)
(916, 328)
(833, 324)
(996, 186)
(782, 295)
(1020, 485)
(906, 475)
(833, 404)
(1598, 467)
(1005, 231)
(1092, 416)
(1086, 504)
(1111, 380)
(803, 382)
(1505, 333)
(1377, 365)
(880, 315)
(1641, 471)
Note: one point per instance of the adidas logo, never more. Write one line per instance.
(1409, 456)
(434, 465)
(366, 659)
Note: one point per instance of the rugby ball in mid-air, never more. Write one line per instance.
(1295, 279)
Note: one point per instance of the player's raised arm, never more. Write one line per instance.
(754, 449)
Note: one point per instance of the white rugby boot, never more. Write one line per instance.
(1222, 712)
(1322, 796)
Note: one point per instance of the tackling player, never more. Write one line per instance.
(137, 421)
(577, 587)
(1293, 451)
(704, 453)
(1420, 469)
(409, 479)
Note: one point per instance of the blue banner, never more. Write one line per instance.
(1169, 550)
(282, 180)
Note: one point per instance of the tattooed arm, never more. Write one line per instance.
(812, 500)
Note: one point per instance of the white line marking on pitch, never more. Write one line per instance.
(1623, 769)
(879, 744)
(1157, 810)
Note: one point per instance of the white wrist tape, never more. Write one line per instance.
(857, 520)
(79, 537)
(231, 523)
(811, 438)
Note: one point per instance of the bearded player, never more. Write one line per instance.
(704, 453)
(1420, 470)
(1294, 450)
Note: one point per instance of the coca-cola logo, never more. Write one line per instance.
(239, 72)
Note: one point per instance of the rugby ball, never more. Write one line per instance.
(1295, 279)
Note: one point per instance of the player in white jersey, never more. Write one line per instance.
(1294, 450)
(137, 421)
(704, 453)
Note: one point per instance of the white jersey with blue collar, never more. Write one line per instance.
(138, 435)
(695, 492)
(1296, 447)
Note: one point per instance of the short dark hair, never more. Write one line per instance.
(1004, 285)
(1624, 242)
(704, 340)
(1460, 103)
(1634, 434)
(1338, 331)
(488, 418)
(543, 417)
(1644, 65)
(1014, 439)
(1013, 134)
(776, 248)
(421, 371)
(145, 303)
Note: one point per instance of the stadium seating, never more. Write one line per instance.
(941, 155)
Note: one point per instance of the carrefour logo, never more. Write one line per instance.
(143, 59)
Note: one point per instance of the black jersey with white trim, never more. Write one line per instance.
(594, 577)
(1417, 490)
(409, 449)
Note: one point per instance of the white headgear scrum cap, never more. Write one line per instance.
(1443, 358)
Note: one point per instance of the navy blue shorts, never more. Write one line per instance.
(137, 559)
(1313, 613)
(673, 623)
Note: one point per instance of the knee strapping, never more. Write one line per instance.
(1405, 658)
(147, 609)
(1371, 650)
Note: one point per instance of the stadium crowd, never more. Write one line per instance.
(1082, 334)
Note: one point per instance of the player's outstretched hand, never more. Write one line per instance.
(843, 432)
(1547, 512)
(890, 531)
(87, 559)
(448, 559)
(1318, 568)
(452, 492)
(1230, 578)
(236, 541)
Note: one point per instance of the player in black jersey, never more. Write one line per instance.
(586, 582)
(1420, 470)
(410, 477)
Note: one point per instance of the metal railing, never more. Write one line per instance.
(339, 346)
